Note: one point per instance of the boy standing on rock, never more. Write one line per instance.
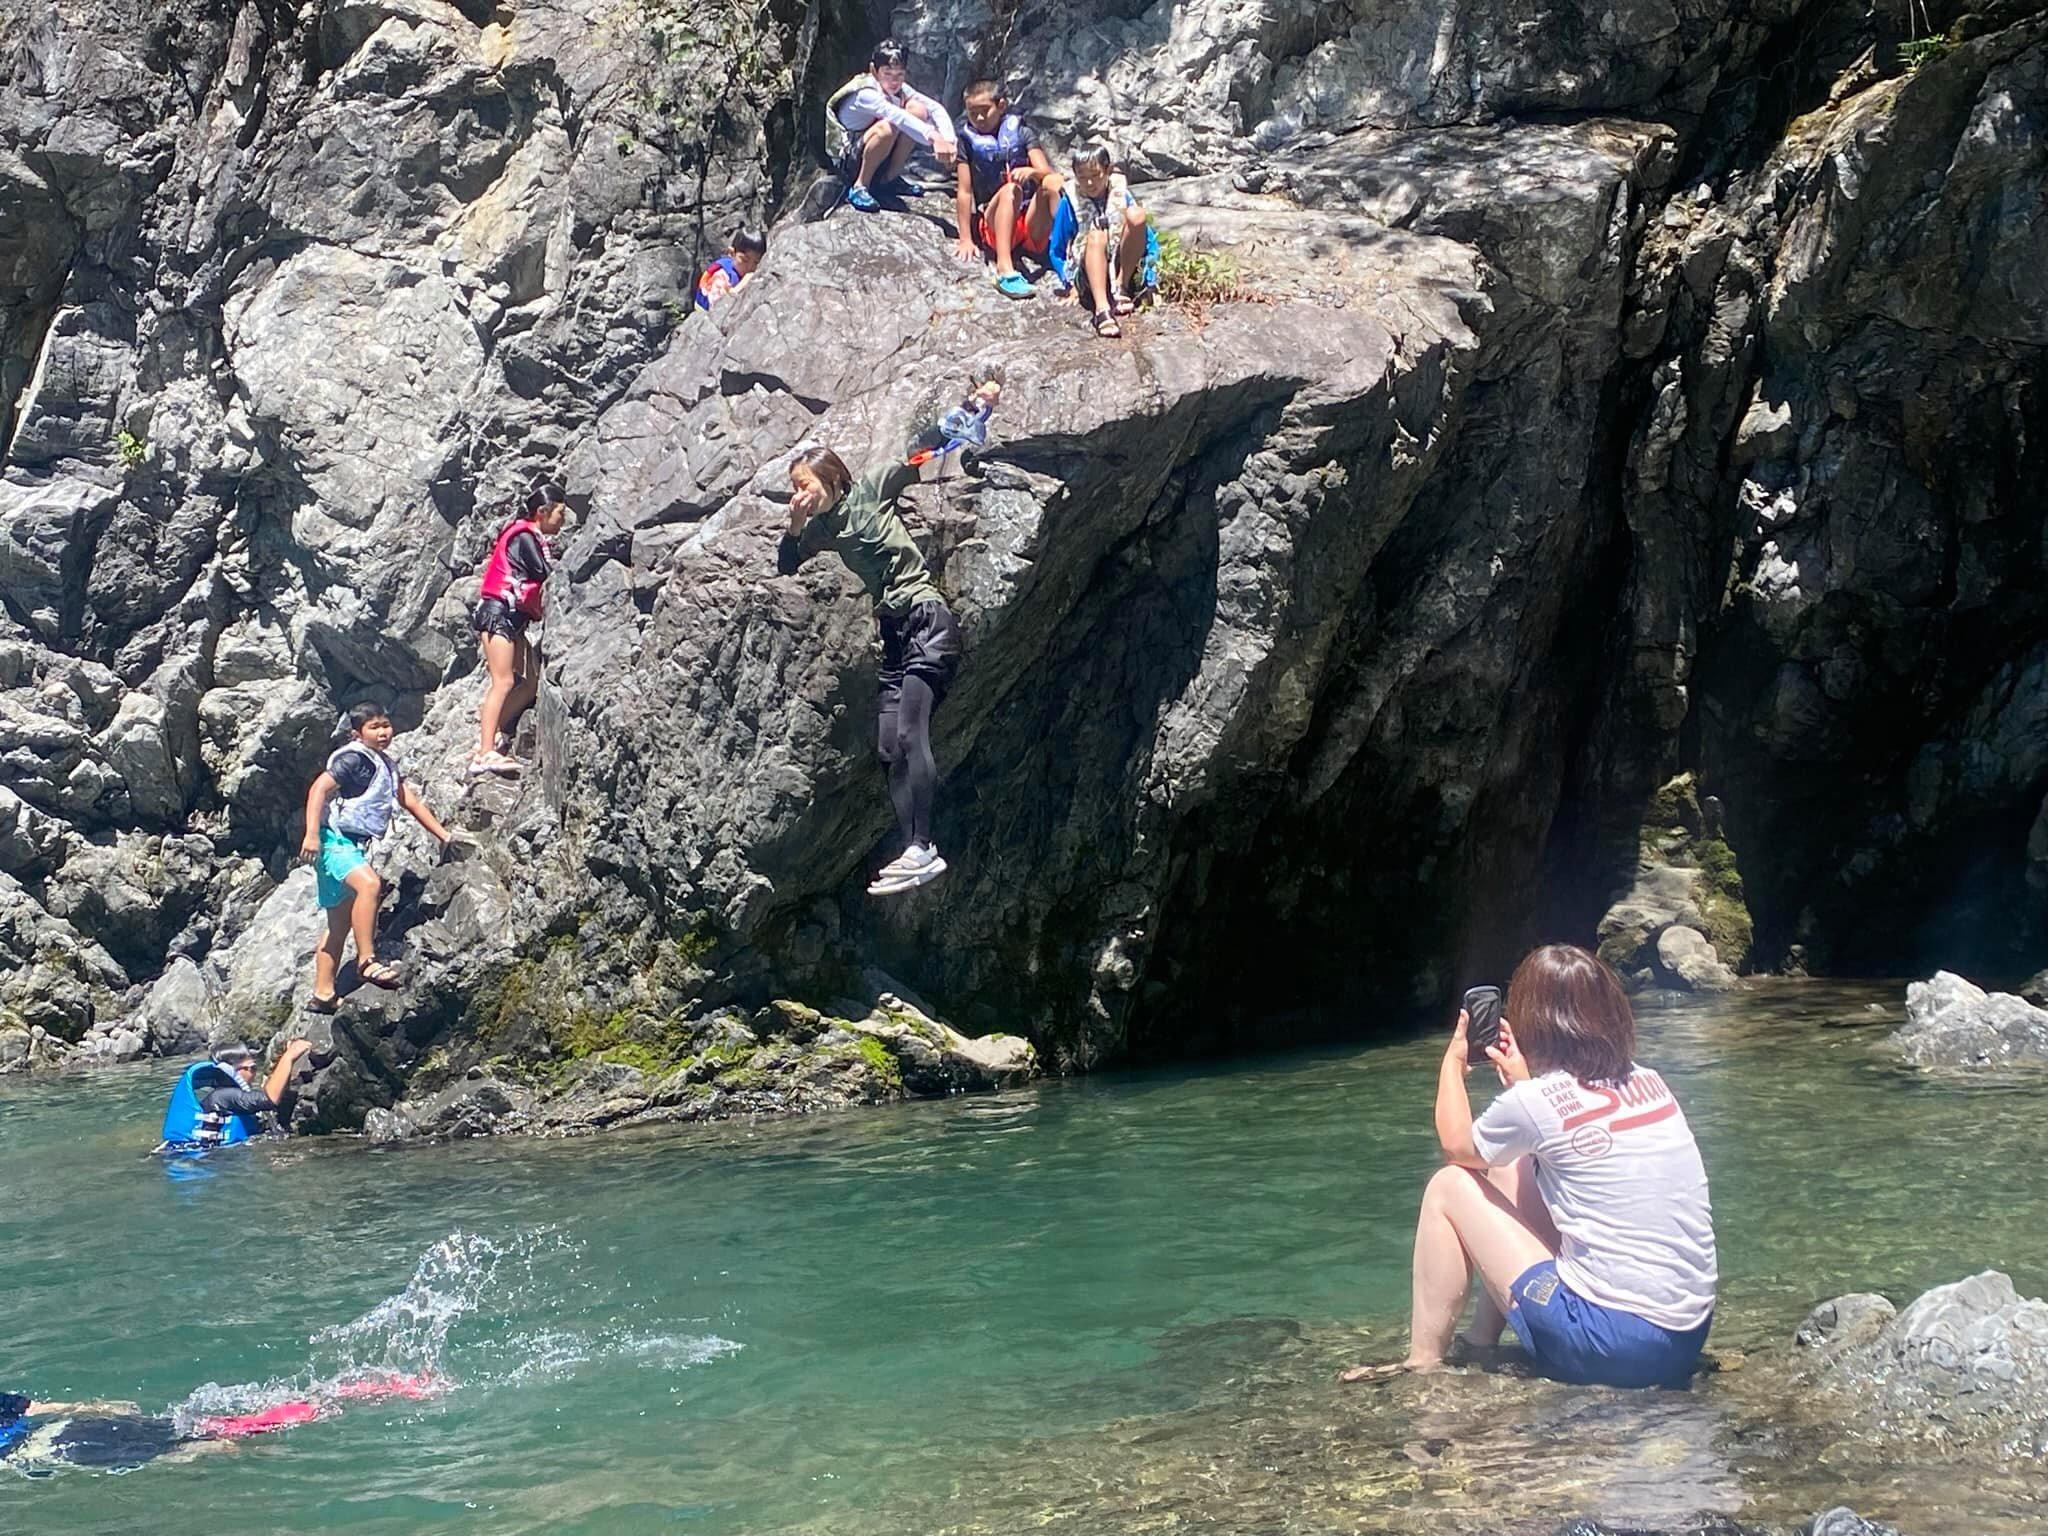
(349, 806)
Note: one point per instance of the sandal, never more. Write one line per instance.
(378, 974)
(323, 1005)
(1106, 326)
(1122, 304)
(493, 762)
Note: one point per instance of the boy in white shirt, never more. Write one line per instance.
(875, 122)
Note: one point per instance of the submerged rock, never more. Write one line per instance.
(1952, 1022)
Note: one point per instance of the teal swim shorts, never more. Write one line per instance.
(339, 858)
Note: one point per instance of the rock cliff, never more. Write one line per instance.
(1599, 407)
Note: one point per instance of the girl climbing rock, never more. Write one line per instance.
(828, 509)
(511, 600)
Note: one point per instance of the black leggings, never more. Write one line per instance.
(905, 744)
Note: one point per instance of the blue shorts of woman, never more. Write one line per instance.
(1575, 1340)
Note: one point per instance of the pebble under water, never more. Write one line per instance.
(1111, 1305)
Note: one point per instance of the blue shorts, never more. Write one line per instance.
(339, 858)
(1580, 1341)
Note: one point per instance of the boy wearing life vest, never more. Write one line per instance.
(875, 122)
(349, 806)
(1006, 189)
(730, 272)
(1103, 243)
(217, 1103)
(511, 600)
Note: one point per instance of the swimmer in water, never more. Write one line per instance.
(37, 1438)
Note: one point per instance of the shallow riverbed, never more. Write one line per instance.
(1111, 1305)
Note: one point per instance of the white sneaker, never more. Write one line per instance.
(910, 860)
(925, 870)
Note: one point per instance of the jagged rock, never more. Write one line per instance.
(1845, 1323)
(174, 1014)
(1951, 1022)
(1843, 1521)
(1687, 960)
(2034, 989)
(1967, 1360)
(1306, 636)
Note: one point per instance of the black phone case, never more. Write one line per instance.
(1482, 1028)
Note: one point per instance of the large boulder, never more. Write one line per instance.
(1951, 1022)
(1965, 1362)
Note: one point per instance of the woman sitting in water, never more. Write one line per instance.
(1578, 1198)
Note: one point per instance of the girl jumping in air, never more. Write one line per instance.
(920, 637)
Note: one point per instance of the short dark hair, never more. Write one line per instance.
(360, 715)
(751, 241)
(1569, 1013)
(1097, 153)
(546, 494)
(980, 88)
(889, 53)
(830, 469)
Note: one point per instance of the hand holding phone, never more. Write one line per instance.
(1482, 1028)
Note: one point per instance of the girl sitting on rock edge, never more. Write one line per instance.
(1578, 1198)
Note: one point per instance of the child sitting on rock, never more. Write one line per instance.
(875, 122)
(349, 806)
(1007, 190)
(1103, 244)
(729, 273)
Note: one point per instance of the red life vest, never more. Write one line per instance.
(498, 579)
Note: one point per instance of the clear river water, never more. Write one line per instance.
(1112, 1305)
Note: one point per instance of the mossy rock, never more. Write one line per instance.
(1676, 804)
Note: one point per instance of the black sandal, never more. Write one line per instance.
(1106, 326)
(323, 1005)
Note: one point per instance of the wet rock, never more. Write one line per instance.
(1843, 1521)
(2035, 989)
(1686, 958)
(1965, 1361)
(1953, 1023)
(1845, 1323)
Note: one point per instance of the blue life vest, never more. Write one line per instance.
(726, 264)
(996, 154)
(187, 1127)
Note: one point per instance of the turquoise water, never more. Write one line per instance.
(982, 1314)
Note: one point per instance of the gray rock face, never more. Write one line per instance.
(1306, 636)
(1687, 958)
(1964, 1361)
(1951, 1022)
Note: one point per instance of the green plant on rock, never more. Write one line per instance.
(1192, 279)
(133, 450)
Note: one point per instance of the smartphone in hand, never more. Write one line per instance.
(1482, 1025)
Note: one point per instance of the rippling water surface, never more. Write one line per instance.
(1111, 1305)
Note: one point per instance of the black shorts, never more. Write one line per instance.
(495, 616)
(923, 643)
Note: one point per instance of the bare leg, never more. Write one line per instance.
(327, 958)
(1517, 1182)
(1095, 270)
(1130, 253)
(501, 657)
(362, 912)
(876, 146)
(1039, 212)
(905, 147)
(1001, 217)
(1466, 1225)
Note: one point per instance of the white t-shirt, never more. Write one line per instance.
(1623, 1179)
